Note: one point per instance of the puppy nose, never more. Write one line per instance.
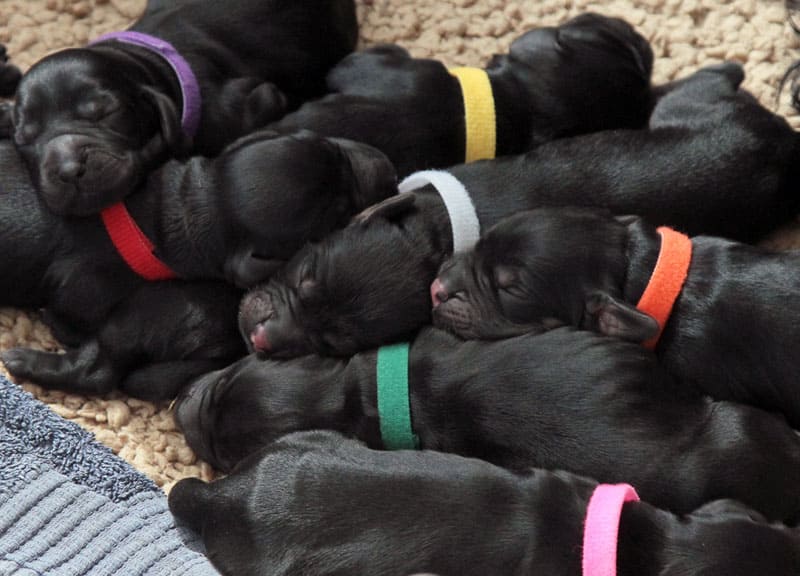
(438, 293)
(259, 340)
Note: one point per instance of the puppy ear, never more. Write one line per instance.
(367, 173)
(169, 120)
(619, 319)
(390, 209)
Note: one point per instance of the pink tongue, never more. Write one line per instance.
(436, 287)
(258, 338)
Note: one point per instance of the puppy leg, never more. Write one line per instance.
(164, 380)
(83, 370)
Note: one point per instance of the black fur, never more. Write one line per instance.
(156, 340)
(236, 217)
(92, 121)
(316, 504)
(566, 399)
(590, 73)
(712, 161)
(730, 330)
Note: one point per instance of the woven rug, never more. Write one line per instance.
(685, 34)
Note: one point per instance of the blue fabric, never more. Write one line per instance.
(70, 507)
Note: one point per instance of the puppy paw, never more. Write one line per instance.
(17, 363)
(186, 501)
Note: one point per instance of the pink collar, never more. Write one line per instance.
(601, 528)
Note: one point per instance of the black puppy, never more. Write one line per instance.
(92, 121)
(317, 503)
(713, 160)
(566, 399)
(730, 329)
(590, 73)
(234, 217)
(152, 343)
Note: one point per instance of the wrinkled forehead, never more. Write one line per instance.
(67, 75)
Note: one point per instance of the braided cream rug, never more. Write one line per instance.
(685, 34)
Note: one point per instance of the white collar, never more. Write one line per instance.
(460, 209)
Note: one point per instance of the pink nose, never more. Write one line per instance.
(438, 292)
(258, 338)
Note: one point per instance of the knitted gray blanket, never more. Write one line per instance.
(70, 507)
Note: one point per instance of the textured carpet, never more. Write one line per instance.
(685, 34)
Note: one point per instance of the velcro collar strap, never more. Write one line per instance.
(190, 88)
(666, 282)
(132, 244)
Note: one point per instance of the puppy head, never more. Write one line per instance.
(289, 189)
(360, 287)
(532, 272)
(88, 127)
(591, 73)
(227, 414)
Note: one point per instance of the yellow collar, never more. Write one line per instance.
(479, 112)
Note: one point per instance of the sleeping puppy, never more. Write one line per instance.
(713, 160)
(152, 343)
(728, 330)
(566, 399)
(92, 121)
(590, 73)
(235, 217)
(317, 503)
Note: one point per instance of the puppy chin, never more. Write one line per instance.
(454, 318)
(106, 179)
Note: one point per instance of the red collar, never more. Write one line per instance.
(131, 243)
(667, 279)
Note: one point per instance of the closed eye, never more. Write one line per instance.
(94, 110)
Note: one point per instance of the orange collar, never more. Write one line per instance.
(667, 279)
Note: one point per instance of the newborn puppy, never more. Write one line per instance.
(590, 73)
(566, 399)
(92, 121)
(149, 346)
(235, 217)
(728, 330)
(712, 160)
(317, 503)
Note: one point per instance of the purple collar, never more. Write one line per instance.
(190, 89)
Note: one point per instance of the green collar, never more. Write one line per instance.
(394, 409)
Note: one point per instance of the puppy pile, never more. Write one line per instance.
(393, 301)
